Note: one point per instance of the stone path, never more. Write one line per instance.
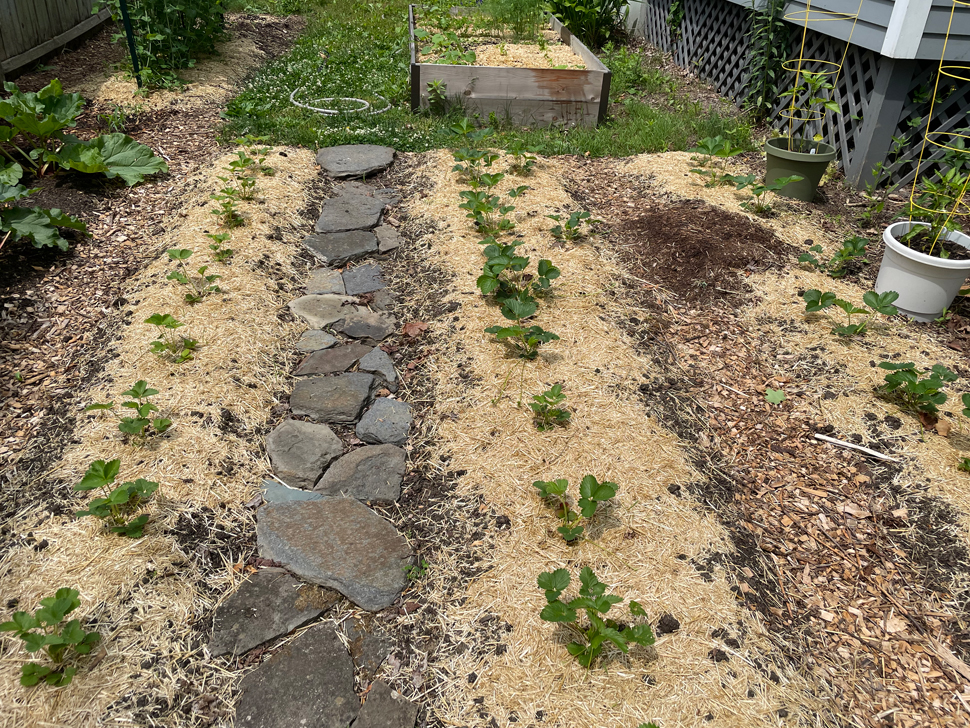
(314, 521)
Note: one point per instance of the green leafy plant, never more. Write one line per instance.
(572, 227)
(878, 303)
(522, 17)
(219, 253)
(170, 345)
(591, 494)
(524, 340)
(912, 391)
(523, 158)
(812, 94)
(711, 150)
(770, 41)
(438, 96)
(596, 603)
(593, 21)
(486, 210)
(964, 465)
(36, 224)
(761, 192)
(446, 48)
(936, 204)
(252, 146)
(853, 248)
(200, 285)
(504, 274)
(116, 504)
(227, 211)
(47, 631)
(137, 427)
(546, 412)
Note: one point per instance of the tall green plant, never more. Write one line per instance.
(770, 43)
(593, 21)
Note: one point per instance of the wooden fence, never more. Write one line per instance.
(30, 29)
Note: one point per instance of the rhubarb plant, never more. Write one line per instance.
(116, 504)
(591, 494)
(878, 303)
(596, 603)
(143, 422)
(200, 285)
(36, 224)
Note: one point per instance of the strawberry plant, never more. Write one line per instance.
(523, 158)
(116, 504)
(200, 286)
(596, 603)
(915, 393)
(470, 162)
(964, 465)
(546, 411)
(838, 265)
(220, 253)
(761, 192)
(878, 303)
(169, 345)
(137, 427)
(487, 212)
(525, 341)
(570, 229)
(47, 631)
(251, 145)
(227, 211)
(591, 494)
(713, 149)
(504, 273)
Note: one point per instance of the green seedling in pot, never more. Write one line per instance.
(853, 248)
(878, 303)
(48, 631)
(547, 414)
(117, 504)
(137, 426)
(168, 344)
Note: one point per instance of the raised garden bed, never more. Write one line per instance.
(524, 96)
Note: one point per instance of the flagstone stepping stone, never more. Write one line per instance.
(338, 543)
(264, 607)
(388, 195)
(386, 708)
(321, 311)
(349, 212)
(367, 325)
(363, 279)
(388, 421)
(377, 361)
(383, 300)
(325, 280)
(355, 160)
(330, 361)
(370, 473)
(274, 492)
(388, 238)
(369, 646)
(301, 451)
(338, 249)
(338, 399)
(309, 683)
(314, 340)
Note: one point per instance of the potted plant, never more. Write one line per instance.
(927, 257)
(802, 156)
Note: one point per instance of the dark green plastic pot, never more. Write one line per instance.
(782, 161)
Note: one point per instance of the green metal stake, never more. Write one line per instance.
(130, 34)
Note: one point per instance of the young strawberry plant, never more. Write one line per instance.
(761, 192)
(227, 211)
(546, 412)
(571, 229)
(713, 149)
(504, 273)
(878, 303)
(853, 249)
(252, 147)
(116, 504)
(915, 393)
(470, 163)
(47, 631)
(525, 341)
(137, 427)
(219, 253)
(523, 158)
(200, 286)
(591, 494)
(487, 212)
(169, 345)
(596, 603)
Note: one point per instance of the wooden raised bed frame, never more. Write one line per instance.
(526, 96)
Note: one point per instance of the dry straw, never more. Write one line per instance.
(637, 543)
(235, 377)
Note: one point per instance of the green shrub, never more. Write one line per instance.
(593, 21)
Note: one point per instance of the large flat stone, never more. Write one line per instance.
(383, 300)
(321, 311)
(387, 195)
(377, 361)
(349, 212)
(325, 280)
(338, 399)
(274, 492)
(363, 279)
(314, 340)
(307, 684)
(330, 361)
(370, 473)
(355, 160)
(385, 708)
(338, 543)
(264, 607)
(369, 326)
(388, 421)
(388, 238)
(338, 249)
(369, 646)
(301, 451)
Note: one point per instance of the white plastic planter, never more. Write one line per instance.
(926, 284)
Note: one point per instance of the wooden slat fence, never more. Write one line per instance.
(29, 29)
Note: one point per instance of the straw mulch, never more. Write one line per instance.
(150, 597)
(644, 545)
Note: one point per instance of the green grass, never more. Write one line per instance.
(357, 49)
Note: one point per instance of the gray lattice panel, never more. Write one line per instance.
(655, 28)
(714, 44)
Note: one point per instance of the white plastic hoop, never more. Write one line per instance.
(365, 106)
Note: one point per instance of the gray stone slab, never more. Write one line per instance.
(377, 361)
(321, 311)
(366, 325)
(370, 473)
(337, 543)
(301, 451)
(338, 399)
(338, 249)
(349, 212)
(274, 492)
(363, 279)
(385, 708)
(369, 646)
(307, 684)
(383, 300)
(264, 607)
(325, 280)
(314, 340)
(387, 195)
(388, 238)
(330, 361)
(355, 160)
(388, 422)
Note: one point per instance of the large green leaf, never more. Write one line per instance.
(40, 114)
(39, 225)
(10, 172)
(114, 155)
